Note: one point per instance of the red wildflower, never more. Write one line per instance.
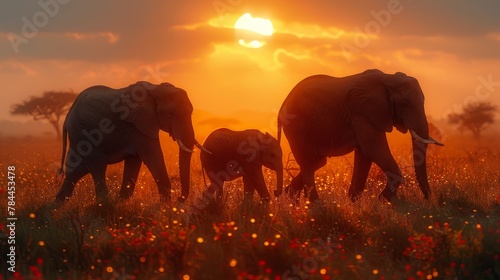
(36, 273)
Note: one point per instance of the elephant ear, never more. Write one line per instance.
(265, 139)
(370, 97)
(143, 105)
(269, 137)
(170, 98)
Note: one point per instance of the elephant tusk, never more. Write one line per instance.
(201, 147)
(183, 147)
(435, 142)
(426, 141)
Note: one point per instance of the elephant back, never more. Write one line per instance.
(227, 146)
(90, 107)
(222, 140)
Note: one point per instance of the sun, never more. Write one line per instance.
(253, 32)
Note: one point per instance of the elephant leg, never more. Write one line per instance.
(248, 189)
(254, 179)
(96, 163)
(309, 186)
(219, 192)
(374, 146)
(392, 173)
(394, 178)
(362, 166)
(214, 189)
(73, 175)
(211, 199)
(130, 174)
(299, 182)
(377, 149)
(216, 182)
(295, 187)
(247, 198)
(248, 194)
(153, 159)
(308, 178)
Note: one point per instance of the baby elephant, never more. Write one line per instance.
(242, 154)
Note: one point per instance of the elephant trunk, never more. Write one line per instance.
(420, 139)
(279, 181)
(184, 135)
(420, 163)
(184, 173)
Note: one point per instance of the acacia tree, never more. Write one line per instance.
(51, 106)
(475, 117)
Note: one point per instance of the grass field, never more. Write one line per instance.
(455, 235)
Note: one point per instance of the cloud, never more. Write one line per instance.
(14, 66)
(478, 47)
(309, 31)
(110, 37)
(84, 29)
(421, 18)
(151, 31)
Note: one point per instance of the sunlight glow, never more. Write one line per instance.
(253, 32)
(254, 44)
(258, 25)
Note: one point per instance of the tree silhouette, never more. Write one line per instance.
(475, 117)
(51, 106)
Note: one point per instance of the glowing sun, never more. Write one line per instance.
(253, 32)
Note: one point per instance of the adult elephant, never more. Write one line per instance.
(325, 116)
(106, 126)
(238, 154)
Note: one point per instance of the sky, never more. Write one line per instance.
(451, 46)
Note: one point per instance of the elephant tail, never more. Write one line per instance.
(60, 172)
(279, 130)
(204, 178)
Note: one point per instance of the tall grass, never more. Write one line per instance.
(454, 235)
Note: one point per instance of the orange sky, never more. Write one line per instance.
(451, 47)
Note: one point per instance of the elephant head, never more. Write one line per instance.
(168, 108)
(271, 156)
(395, 101)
